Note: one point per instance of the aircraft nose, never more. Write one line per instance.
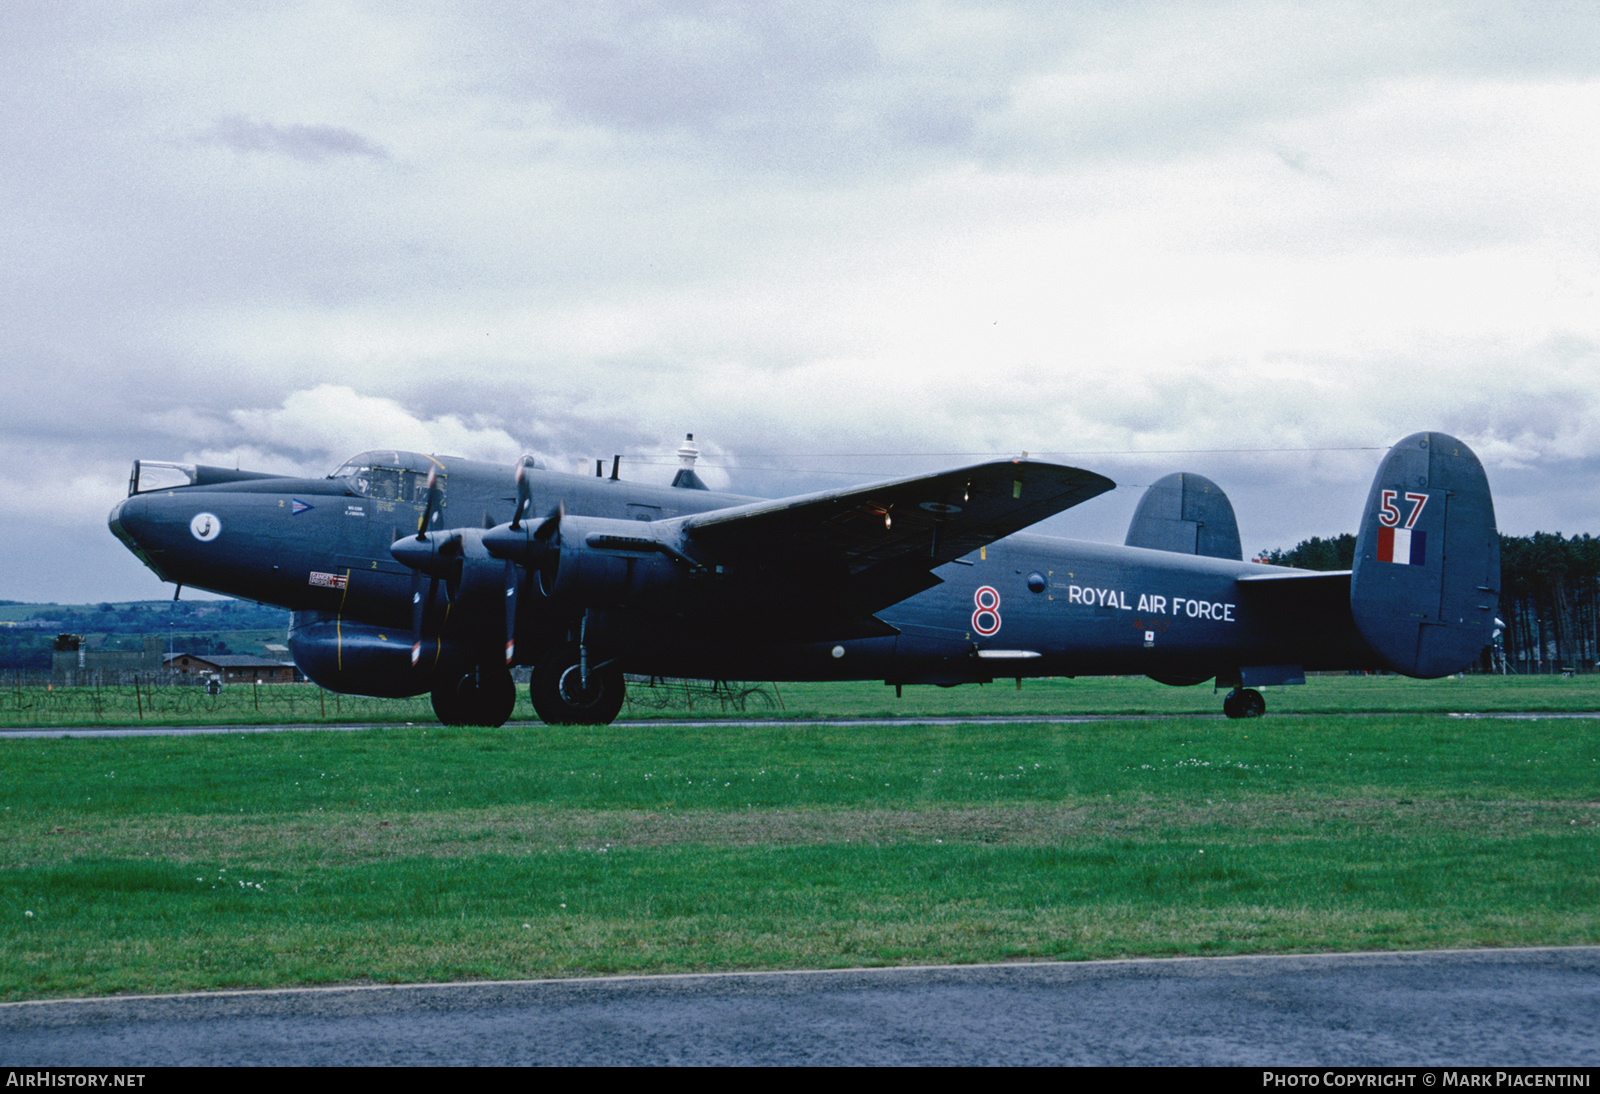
(139, 518)
(130, 522)
(124, 514)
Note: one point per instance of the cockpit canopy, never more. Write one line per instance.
(389, 475)
(397, 476)
(392, 460)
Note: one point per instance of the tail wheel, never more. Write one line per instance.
(1244, 703)
(561, 696)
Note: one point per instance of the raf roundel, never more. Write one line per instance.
(205, 527)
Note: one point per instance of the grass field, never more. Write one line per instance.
(35, 707)
(422, 853)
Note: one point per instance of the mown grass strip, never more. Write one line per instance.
(423, 853)
(126, 925)
(429, 768)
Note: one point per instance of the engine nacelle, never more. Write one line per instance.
(477, 582)
(594, 561)
(604, 563)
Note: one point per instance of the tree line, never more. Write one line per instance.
(1549, 596)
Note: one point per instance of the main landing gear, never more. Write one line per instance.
(1244, 703)
(482, 697)
(562, 696)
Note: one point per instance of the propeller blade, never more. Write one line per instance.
(550, 527)
(536, 547)
(419, 608)
(439, 556)
(431, 509)
(524, 497)
(511, 612)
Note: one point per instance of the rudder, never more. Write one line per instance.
(1426, 581)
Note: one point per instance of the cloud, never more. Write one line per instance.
(278, 235)
(330, 422)
(312, 143)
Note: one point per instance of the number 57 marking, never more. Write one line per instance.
(1389, 512)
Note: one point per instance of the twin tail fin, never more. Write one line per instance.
(1426, 580)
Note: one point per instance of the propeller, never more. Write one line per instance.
(514, 545)
(442, 555)
(436, 554)
(536, 546)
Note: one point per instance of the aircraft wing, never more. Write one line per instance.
(883, 540)
(931, 518)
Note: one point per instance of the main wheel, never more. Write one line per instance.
(483, 697)
(560, 697)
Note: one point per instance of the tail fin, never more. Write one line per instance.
(1186, 513)
(1426, 581)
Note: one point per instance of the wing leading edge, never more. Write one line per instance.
(847, 554)
(930, 518)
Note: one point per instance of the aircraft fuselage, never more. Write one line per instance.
(410, 573)
(1024, 606)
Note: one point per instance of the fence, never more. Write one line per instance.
(129, 698)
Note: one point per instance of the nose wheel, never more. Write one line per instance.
(1244, 703)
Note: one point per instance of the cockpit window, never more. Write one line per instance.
(383, 483)
(357, 476)
(380, 479)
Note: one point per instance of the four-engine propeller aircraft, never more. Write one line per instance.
(410, 573)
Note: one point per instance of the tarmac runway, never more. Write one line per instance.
(1524, 1008)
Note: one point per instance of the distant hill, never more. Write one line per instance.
(28, 631)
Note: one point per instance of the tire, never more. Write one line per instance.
(483, 697)
(1244, 703)
(559, 698)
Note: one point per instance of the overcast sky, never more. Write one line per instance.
(1261, 241)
